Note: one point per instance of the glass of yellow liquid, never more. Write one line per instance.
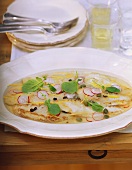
(104, 17)
(101, 37)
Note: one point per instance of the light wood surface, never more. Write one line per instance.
(20, 149)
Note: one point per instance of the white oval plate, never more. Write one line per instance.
(63, 58)
(52, 10)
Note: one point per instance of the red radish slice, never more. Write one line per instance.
(98, 116)
(23, 99)
(90, 119)
(88, 92)
(80, 80)
(96, 90)
(42, 94)
(69, 96)
(58, 88)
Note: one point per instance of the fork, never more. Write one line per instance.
(15, 19)
(26, 28)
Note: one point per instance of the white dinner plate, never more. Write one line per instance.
(52, 10)
(65, 58)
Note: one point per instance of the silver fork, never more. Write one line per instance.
(9, 19)
(29, 28)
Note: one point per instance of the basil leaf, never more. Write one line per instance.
(96, 107)
(32, 85)
(70, 87)
(52, 88)
(112, 89)
(53, 109)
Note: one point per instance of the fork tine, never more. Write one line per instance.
(71, 22)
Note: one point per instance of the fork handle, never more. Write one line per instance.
(9, 15)
(15, 28)
(23, 22)
(12, 19)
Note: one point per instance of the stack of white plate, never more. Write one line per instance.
(52, 10)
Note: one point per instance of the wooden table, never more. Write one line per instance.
(22, 149)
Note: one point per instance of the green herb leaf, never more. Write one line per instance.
(112, 89)
(32, 85)
(53, 109)
(95, 106)
(39, 79)
(70, 87)
(52, 88)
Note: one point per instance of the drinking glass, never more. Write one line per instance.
(125, 5)
(125, 46)
(104, 18)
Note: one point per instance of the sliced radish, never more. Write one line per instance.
(98, 116)
(96, 90)
(88, 92)
(69, 96)
(23, 99)
(90, 119)
(80, 80)
(42, 94)
(58, 88)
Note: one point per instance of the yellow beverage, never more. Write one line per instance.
(101, 37)
(101, 33)
(100, 15)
